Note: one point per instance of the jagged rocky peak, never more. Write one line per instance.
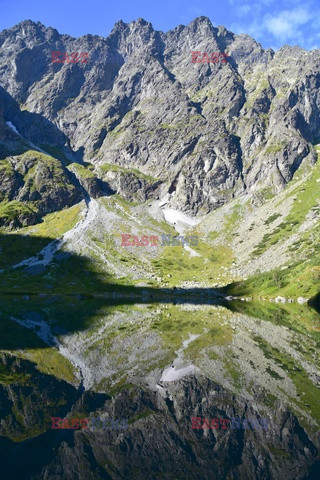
(127, 38)
(290, 52)
(200, 34)
(202, 24)
(29, 33)
(245, 45)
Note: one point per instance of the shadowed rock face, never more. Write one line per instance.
(34, 181)
(36, 396)
(208, 131)
(159, 439)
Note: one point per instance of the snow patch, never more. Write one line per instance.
(47, 254)
(193, 253)
(14, 129)
(174, 216)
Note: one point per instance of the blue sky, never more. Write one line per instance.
(271, 22)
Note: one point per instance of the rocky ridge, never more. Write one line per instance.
(209, 132)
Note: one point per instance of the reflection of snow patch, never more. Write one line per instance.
(171, 374)
(39, 327)
(13, 128)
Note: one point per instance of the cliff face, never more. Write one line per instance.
(208, 131)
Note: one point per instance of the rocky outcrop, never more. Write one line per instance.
(132, 187)
(34, 184)
(91, 184)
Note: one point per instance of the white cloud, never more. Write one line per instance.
(284, 25)
(253, 29)
(287, 26)
(296, 22)
(243, 10)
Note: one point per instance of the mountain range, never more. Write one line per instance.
(140, 140)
